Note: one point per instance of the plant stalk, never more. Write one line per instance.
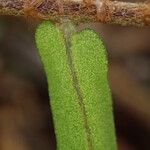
(104, 11)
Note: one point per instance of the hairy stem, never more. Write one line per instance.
(105, 11)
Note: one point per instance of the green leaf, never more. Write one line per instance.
(81, 103)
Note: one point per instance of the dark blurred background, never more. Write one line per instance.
(25, 117)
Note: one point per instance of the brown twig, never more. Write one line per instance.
(105, 11)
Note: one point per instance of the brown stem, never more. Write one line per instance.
(105, 11)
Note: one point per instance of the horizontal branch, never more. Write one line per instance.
(105, 11)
